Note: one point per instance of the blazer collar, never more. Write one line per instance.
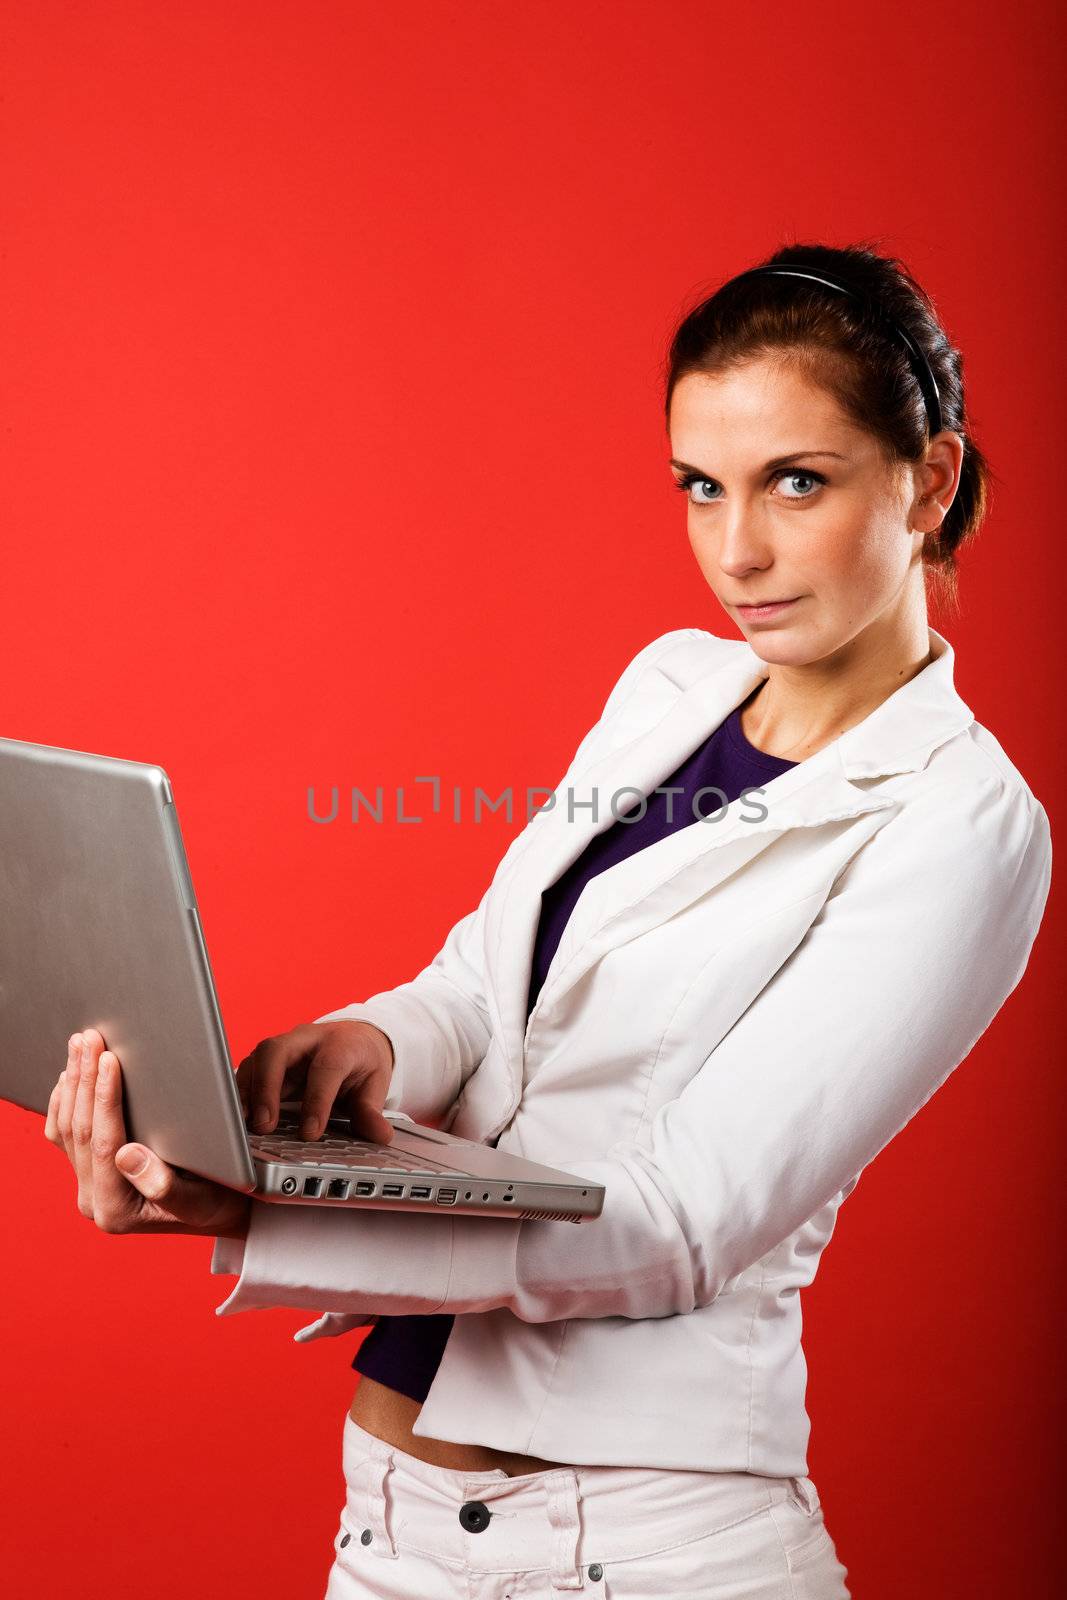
(902, 733)
(898, 736)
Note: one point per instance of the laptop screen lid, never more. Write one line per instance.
(99, 927)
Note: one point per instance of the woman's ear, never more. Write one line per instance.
(937, 478)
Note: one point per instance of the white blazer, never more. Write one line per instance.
(738, 1019)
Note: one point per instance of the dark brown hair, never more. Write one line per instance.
(848, 351)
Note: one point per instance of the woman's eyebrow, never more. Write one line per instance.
(768, 466)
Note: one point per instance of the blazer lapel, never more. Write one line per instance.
(657, 882)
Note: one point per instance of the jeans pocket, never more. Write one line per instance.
(743, 1558)
(810, 1553)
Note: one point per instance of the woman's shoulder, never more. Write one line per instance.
(975, 763)
(681, 654)
(972, 829)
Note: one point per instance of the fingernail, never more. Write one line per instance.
(103, 1068)
(132, 1159)
(260, 1119)
(309, 1128)
(86, 1053)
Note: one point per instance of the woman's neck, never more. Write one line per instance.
(796, 711)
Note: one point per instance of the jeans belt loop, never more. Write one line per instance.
(562, 1489)
(377, 1467)
(806, 1493)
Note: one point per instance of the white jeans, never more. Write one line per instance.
(410, 1531)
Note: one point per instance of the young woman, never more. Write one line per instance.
(720, 1008)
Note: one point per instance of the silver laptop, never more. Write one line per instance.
(99, 927)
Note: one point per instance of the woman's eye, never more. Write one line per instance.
(696, 490)
(803, 485)
(806, 483)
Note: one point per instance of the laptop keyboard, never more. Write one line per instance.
(349, 1154)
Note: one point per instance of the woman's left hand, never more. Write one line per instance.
(127, 1188)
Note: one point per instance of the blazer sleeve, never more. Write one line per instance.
(438, 1023)
(922, 938)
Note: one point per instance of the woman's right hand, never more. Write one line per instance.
(344, 1062)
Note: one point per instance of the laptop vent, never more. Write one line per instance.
(547, 1216)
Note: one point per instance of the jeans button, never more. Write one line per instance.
(474, 1516)
(347, 1539)
(366, 1536)
(596, 1572)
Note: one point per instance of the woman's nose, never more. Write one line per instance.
(744, 544)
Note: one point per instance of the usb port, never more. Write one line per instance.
(312, 1186)
(392, 1191)
(421, 1193)
(364, 1187)
(337, 1189)
(446, 1197)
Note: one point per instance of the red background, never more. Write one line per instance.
(332, 345)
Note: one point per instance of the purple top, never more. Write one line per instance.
(404, 1352)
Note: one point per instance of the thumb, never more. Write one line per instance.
(136, 1162)
(158, 1182)
(379, 1128)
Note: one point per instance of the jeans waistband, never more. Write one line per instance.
(544, 1518)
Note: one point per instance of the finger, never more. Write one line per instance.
(114, 1202)
(82, 1124)
(242, 1078)
(66, 1089)
(362, 1091)
(244, 1074)
(329, 1070)
(271, 1059)
(364, 1106)
(266, 1070)
(65, 1113)
(51, 1121)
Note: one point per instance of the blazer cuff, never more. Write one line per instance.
(227, 1255)
(340, 1261)
(346, 1261)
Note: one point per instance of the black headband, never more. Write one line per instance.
(919, 365)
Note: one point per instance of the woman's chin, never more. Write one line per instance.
(782, 646)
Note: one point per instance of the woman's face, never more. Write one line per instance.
(789, 500)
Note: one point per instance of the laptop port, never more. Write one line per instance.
(446, 1197)
(288, 1186)
(392, 1191)
(421, 1193)
(312, 1186)
(338, 1189)
(364, 1187)
(509, 1197)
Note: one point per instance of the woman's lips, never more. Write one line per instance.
(773, 608)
